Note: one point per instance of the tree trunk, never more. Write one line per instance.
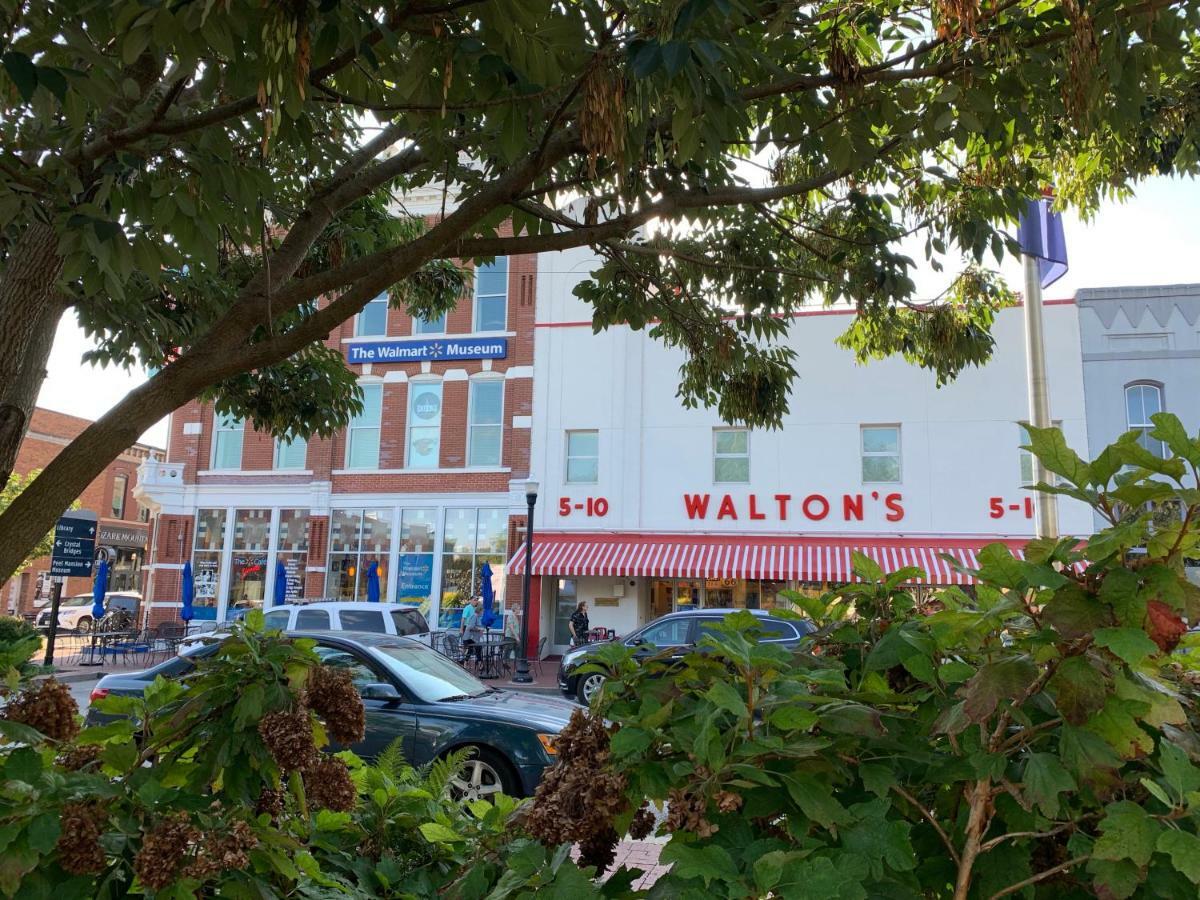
(30, 307)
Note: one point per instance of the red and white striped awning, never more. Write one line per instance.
(778, 558)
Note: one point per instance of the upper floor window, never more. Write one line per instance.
(429, 326)
(1141, 402)
(372, 320)
(583, 457)
(485, 418)
(120, 485)
(227, 442)
(731, 456)
(880, 453)
(362, 437)
(424, 424)
(291, 454)
(491, 295)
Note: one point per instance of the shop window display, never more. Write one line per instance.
(472, 537)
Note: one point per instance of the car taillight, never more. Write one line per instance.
(98, 693)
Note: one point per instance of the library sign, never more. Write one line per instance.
(432, 350)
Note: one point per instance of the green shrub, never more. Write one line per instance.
(19, 641)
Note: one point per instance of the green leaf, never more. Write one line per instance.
(955, 672)
(815, 799)
(1005, 679)
(768, 869)
(18, 732)
(709, 863)
(877, 779)
(879, 841)
(437, 833)
(1045, 778)
(629, 741)
(1127, 832)
(1049, 445)
(1117, 723)
(1130, 644)
(24, 764)
(840, 878)
(1114, 880)
(793, 717)
(22, 72)
(1179, 771)
(865, 567)
(1074, 613)
(1184, 849)
(723, 695)
(1078, 689)
(1170, 430)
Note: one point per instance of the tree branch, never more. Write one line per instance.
(932, 820)
(1040, 876)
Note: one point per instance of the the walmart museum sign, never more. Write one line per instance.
(433, 349)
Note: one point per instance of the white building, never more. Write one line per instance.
(646, 506)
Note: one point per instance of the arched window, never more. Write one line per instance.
(1142, 400)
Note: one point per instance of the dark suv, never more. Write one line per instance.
(677, 633)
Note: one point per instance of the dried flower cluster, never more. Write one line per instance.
(78, 757)
(270, 802)
(222, 852)
(578, 799)
(47, 707)
(79, 850)
(602, 118)
(686, 812)
(1083, 55)
(957, 18)
(164, 850)
(642, 825)
(328, 785)
(288, 735)
(331, 694)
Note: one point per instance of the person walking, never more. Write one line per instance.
(579, 625)
(471, 628)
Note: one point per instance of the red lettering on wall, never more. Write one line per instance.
(564, 506)
(697, 505)
(754, 513)
(996, 507)
(782, 500)
(895, 510)
(815, 507)
(852, 505)
(727, 510)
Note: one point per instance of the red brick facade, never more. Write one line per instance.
(48, 433)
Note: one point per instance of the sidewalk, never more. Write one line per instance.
(638, 855)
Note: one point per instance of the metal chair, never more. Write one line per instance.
(536, 662)
(452, 647)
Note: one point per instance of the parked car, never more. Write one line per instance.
(675, 633)
(337, 615)
(414, 693)
(75, 613)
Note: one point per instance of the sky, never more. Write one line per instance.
(1152, 239)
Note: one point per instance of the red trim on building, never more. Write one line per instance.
(775, 557)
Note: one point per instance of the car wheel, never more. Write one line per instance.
(587, 686)
(483, 776)
(84, 625)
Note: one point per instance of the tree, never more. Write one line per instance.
(202, 184)
(10, 491)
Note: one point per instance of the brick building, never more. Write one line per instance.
(425, 486)
(124, 526)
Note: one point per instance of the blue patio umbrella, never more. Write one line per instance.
(189, 593)
(373, 582)
(280, 583)
(99, 589)
(489, 619)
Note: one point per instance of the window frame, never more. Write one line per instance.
(1144, 427)
(476, 297)
(417, 321)
(717, 455)
(221, 427)
(352, 427)
(281, 446)
(472, 425)
(358, 318)
(567, 457)
(118, 509)
(864, 454)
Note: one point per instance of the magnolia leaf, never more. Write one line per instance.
(1127, 832)
(1129, 644)
(1074, 613)
(1184, 849)
(1045, 778)
(1005, 679)
(1078, 689)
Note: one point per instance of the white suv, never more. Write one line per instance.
(75, 613)
(343, 615)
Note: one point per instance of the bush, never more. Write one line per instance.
(1035, 738)
(19, 641)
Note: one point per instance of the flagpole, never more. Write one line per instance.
(1039, 394)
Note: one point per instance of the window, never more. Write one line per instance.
(291, 553)
(414, 576)
(881, 453)
(362, 439)
(429, 326)
(312, 619)
(359, 539)
(1141, 402)
(291, 454)
(363, 620)
(491, 295)
(731, 456)
(472, 537)
(248, 565)
(583, 457)
(372, 321)
(424, 424)
(671, 633)
(484, 422)
(360, 673)
(277, 620)
(120, 485)
(409, 622)
(206, 561)
(227, 442)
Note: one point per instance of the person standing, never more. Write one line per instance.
(579, 625)
(471, 628)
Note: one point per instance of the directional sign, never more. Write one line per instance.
(74, 544)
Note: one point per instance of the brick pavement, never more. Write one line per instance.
(639, 855)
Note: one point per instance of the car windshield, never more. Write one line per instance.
(429, 675)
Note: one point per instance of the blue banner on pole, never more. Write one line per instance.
(1040, 233)
(433, 349)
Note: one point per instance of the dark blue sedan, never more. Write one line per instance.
(420, 696)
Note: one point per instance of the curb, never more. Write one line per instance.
(74, 677)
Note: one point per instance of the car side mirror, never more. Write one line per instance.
(381, 691)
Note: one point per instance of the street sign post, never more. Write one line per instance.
(73, 554)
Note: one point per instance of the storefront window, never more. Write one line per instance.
(248, 565)
(566, 596)
(206, 561)
(414, 577)
(472, 537)
(125, 572)
(291, 551)
(357, 538)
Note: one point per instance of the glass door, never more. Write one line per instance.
(565, 598)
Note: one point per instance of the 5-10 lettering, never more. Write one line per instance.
(998, 509)
(591, 506)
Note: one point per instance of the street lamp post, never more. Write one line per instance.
(522, 675)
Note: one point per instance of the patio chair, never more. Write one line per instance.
(536, 662)
(452, 647)
(167, 637)
(137, 644)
